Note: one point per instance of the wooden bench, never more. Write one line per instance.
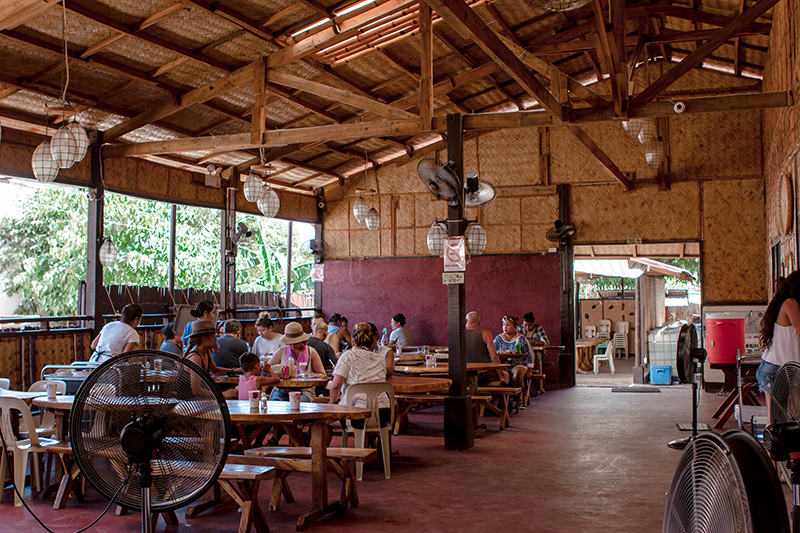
(290, 459)
(406, 402)
(68, 484)
(248, 479)
(504, 393)
(533, 376)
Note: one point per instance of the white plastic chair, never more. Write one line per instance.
(372, 424)
(620, 343)
(608, 355)
(46, 426)
(604, 329)
(20, 448)
(589, 332)
(5, 383)
(623, 327)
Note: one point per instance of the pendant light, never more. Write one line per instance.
(373, 220)
(44, 168)
(253, 188)
(648, 130)
(476, 239)
(632, 127)
(80, 137)
(436, 235)
(269, 204)
(360, 206)
(64, 148)
(108, 253)
(654, 153)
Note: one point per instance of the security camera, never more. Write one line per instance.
(321, 204)
(679, 107)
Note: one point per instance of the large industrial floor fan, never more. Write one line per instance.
(155, 423)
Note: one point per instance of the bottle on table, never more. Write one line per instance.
(292, 368)
(384, 339)
(518, 346)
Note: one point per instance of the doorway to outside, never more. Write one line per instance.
(606, 281)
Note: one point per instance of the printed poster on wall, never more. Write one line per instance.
(318, 272)
(455, 254)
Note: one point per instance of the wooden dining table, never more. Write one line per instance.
(584, 353)
(319, 415)
(473, 369)
(313, 380)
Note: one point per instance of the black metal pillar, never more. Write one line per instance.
(317, 284)
(94, 270)
(227, 280)
(459, 427)
(566, 363)
(289, 266)
(173, 229)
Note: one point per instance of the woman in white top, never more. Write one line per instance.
(780, 333)
(268, 342)
(119, 336)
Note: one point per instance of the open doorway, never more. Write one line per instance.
(630, 303)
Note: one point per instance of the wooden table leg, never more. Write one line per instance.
(319, 476)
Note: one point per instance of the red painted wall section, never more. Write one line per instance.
(373, 290)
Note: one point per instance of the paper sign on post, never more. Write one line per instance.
(318, 272)
(455, 254)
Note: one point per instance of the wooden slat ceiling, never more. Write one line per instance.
(318, 82)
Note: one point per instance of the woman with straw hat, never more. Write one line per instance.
(296, 345)
(202, 338)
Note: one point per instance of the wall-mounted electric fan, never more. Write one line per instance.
(157, 418)
(440, 179)
(478, 192)
(560, 233)
(319, 248)
(690, 360)
(725, 484)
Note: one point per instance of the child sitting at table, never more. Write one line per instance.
(252, 378)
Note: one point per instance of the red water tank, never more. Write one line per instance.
(724, 335)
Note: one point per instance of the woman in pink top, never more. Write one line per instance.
(780, 333)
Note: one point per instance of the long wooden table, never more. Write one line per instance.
(473, 369)
(319, 415)
(584, 353)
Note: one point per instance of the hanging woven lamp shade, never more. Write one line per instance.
(269, 204)
(64, 148)
(654, 153)
(81, 138)
(373, 219)
(360, 210)
(648, 130)
(108, 253)
(476, 239)
(44, 168)
(436, 235)
(632, 127)
(253, 188)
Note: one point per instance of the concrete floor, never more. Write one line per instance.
(576, 460)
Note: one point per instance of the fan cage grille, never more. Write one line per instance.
(178, 394)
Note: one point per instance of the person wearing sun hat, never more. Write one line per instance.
(202, 338)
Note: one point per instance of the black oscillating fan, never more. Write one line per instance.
(725, 484)
(690, 361)
(158, 417)
(440, 179)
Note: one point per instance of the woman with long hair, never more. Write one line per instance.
(780, 332)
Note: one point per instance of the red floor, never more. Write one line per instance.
(582, 459)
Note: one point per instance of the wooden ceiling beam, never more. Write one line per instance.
(426, 108)
(487, 121)
(461, 18)
(250, 26)
(605, 161)
(13, 14)
(693, 59)
(606, 56)
(507, 31)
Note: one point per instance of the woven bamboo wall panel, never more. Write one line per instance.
(502, 211)
(539, 209)
(405, 242)
(507, 157)
(735, 241)
(603, 213)
(404, 215)
(502, 239)
(337, 215)
(385, 242)
(338, 242)
(394, 179)
(722, 144)
(421, 241)
(533, 238)
(15, 159)
(571, 161)
(52, 350)
(365, 243)
(9, 362)
(426, 208)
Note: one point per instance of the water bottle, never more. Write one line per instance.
(292, 372)
(383, 337)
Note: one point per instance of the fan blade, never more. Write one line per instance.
(484, 195)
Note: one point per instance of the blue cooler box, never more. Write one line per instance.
(661, 374)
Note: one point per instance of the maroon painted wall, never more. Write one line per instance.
(372, 290)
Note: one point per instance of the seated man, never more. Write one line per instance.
(400, 336)
(332, 338)
(480, 349)
(231, 345)
(325, 351)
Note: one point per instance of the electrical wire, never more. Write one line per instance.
(30, 511)
(66, 54)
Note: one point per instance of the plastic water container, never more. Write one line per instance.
(724, 335)
(661, 374)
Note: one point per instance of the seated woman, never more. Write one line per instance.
(296, 345)
(507, 342)
(172, 341)
(268, 342)
(202, 338)
(361, 364)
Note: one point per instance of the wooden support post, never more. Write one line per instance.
(567, 378)
(662, 130)
(227, 279)
(459, 428)
(318, 284)
(94, 233)
(259, 115)
(544, 156)
(426, 66)
(289, 266)
(173, 227)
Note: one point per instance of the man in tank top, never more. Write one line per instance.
(480, 349)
